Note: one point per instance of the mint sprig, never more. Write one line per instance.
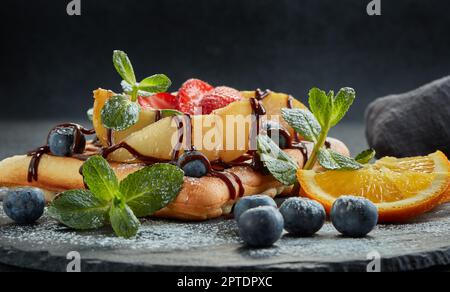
(123, 112)
(120, 204)
(327, 110)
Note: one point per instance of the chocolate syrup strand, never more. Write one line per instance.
(184, 124)
(226, 179)
(303, 149)
(258, 111)
(110, 138)
(158, 115)
(136, 154)
(240, 184)
(34, 163)
(261, 94)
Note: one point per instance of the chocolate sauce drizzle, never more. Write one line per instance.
(109, 137)
(158, 115)
(136, 154)
(258, 111)
(36, 155)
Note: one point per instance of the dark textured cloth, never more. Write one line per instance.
(413, 123)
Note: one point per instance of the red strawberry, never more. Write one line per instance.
(159, 101)
(190, 95)
(218, 98)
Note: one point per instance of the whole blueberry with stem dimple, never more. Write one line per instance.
(193, 163)
(61, 142)
(261, 227)
(24, 205)
(354, 216)
(251, 202)
(302, 217)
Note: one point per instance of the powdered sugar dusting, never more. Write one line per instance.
(216, 242)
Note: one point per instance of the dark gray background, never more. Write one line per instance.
(51, 62)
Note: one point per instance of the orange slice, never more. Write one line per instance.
(401, 188)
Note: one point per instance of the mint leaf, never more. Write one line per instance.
(341, 104)
(100, 178)
(123, 221)
(123, 66)
(332, 160)
(119, 113)
(321, 106)
(155, 84)
(303, 122)
(126, 87)
(90, 114)
(280, 165)
(365, 156)
(80, 209)
(152, 188)
(170, 113)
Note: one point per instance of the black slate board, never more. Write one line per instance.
(214, 246)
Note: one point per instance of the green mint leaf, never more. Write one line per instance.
(280, 165)
(123, 221)
(123, 66)
(90, 114)
(365, 156)
(170, 113)
(80, 209)
(100, 178)
(321, 106)
(332, 160)
(120, 113)
(152, 188)
(155, 84)
(126, 87)
(303, 122)
(341, 104)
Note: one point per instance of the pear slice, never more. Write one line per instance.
(223, 135)
(146, 117)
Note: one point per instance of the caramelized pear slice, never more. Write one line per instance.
(146, 117)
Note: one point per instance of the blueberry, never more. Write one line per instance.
(61, 142)
(194, 164)
(251, 202)
(302, 217)
(3, 193)
(278, 134)
(261, 227)
(24, 205)
(354, 216)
